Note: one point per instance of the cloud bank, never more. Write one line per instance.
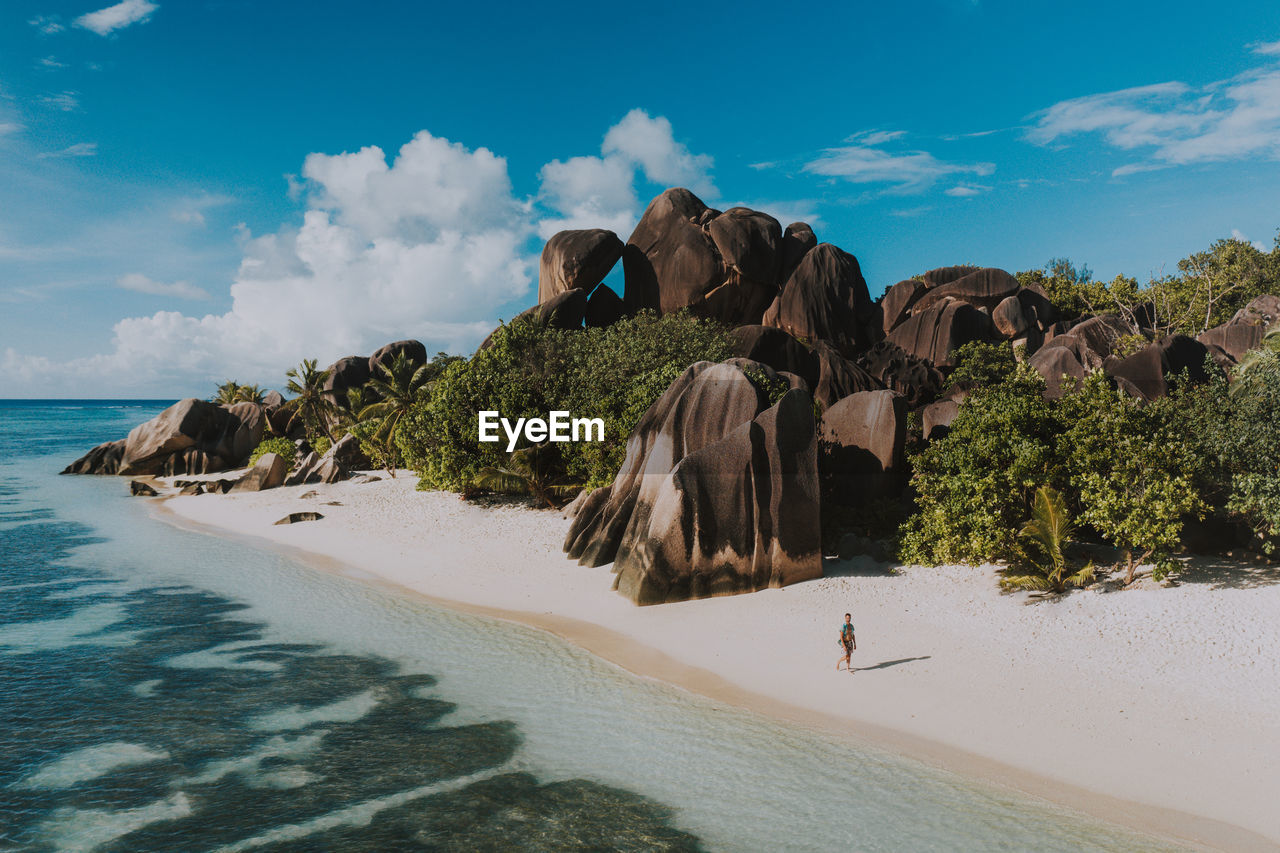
(429, 243)
(117, 17)
(1177, 124)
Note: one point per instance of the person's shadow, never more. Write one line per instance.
(888, 663)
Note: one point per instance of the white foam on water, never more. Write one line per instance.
(90, 763)
(247, 765)
(87, 626)
(298, 717)
(147, 689)
(84, 830)
(360, 814)
(283, 779)
(89, 590)
(233, 655)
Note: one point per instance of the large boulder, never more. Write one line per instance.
(982, 288)
(1263, 310)
(738, 515)
(1057, 364)
(683, 254)
(191, 437)
(338, 463)
(946, 275)
(749, 243)
(1235, 339)
(1146, 373)
(938, 331)
(797, 239)
(267, 473)
(897, 301)
(862, 438)
(936, 418)
(349, 372)
(914, 378)
(565, 310)
(414, 351)
(1009, 318)
(1094, 338)
(826, 299)
(774, 347)
(103, 459)
(703, 405)
(576, 260)
(838, 377)
(604, 308)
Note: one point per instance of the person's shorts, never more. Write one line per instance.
(848, 646)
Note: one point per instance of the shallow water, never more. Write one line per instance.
(163, 689)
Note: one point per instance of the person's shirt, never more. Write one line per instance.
(846, 629)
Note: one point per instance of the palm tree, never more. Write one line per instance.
(1048, 530)
(230, 392)
(389, 398)
(310, 403)
(532, 470)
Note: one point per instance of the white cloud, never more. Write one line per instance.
(1236, 234)
(967, 190)
(121, 15)
(65, 101)
(649, 142)
(1178, 124)
(1266, 48)
(141, 284)
(599, 192)
(51, 62)
(428, 245)
(47, 24)
(864, 161)
(80, 149)
(8, 127)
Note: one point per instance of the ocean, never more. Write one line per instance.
(164, 689)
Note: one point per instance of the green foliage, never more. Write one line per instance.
(320, 444)
(1047, 531)
(537, 471)
(230, 392)
(1239, 432)
(973, 487)
(1132, 470)
(310, 404)
(281, 446)
(979, 364)
(773, 388)
(615, 373)
(388, 398)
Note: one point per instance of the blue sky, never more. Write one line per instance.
(202, 190)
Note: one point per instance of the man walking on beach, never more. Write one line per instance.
(848, 641)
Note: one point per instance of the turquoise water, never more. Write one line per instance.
(166, 690)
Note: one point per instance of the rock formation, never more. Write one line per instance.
(576, 260)
(718, 492)
(826, 299)
(862, 439)
(737, 515)
(190, 437)
(267, 473)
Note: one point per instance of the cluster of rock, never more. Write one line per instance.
(190, 437)
(694, 509)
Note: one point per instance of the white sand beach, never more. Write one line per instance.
(1154, 707)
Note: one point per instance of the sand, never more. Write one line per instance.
(1157, 707)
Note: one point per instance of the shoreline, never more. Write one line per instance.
(578, 606)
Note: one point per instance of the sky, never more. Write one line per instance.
(200, 191)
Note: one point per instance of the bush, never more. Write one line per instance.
(973, 487)
(1131, 468)
(282, 446)
(614, 373)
